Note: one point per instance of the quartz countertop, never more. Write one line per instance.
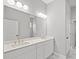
(10, 45)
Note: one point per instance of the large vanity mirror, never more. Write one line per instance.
(22, 25)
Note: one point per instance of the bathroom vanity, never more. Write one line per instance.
(36, 48)
(29, 26)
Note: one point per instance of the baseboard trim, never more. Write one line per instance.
(59, 54)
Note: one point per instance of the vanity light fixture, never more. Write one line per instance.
(42, 15)
(25, 7)
(18, 4)
(11, 2)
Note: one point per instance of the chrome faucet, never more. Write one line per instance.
(18, 40)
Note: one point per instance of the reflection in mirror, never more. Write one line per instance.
(28, 25)
(32, 26)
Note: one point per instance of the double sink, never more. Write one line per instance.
(19, 43)
(11, 45)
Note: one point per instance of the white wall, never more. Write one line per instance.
(56, 24)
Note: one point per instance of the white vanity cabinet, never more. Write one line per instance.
(48, 48)
(22, 53)
(40, 50)
(45, 49)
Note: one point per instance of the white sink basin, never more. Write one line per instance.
(15, 43)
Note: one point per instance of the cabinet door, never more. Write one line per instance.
(23, 53)
(48, 48)
(67, 28)
(29, 52)
(45, 49)
(40, 51)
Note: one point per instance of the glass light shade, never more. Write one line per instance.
(19, 4)
(11, 2)
(42, 15)
(25, 7)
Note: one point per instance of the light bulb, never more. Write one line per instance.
(11, 2)
(25, 7)
(19, 4)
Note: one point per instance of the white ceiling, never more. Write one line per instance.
(47, 1)
(72, 2)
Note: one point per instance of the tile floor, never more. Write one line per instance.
(71, 55)
(57, 56)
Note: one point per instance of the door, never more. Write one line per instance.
(67, 27)
(73, 34)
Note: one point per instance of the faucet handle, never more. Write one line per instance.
(17, 35)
